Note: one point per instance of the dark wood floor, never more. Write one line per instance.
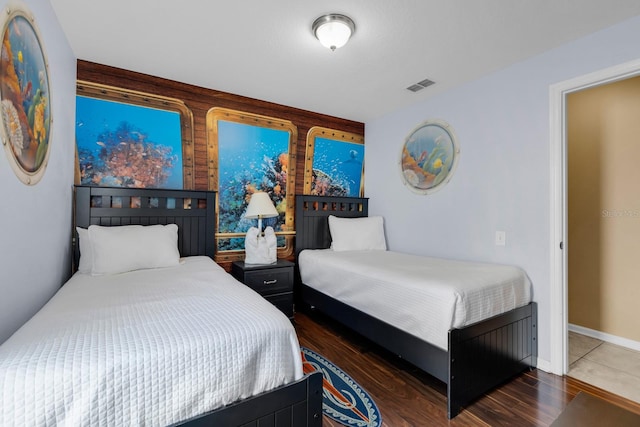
(407, 396)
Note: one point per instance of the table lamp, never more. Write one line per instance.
(259, 247)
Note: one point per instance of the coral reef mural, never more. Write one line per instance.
(125, 145)
(334, 164)
(247, 153)
(25, 97)
(337, 168)
(429, 156)
(250, 159)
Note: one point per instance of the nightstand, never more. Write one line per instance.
(273, 281)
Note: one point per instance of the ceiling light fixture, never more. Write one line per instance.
(333, 30)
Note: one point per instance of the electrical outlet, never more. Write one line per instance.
(501, 238)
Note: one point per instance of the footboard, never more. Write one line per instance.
(484, 355)
(296, 404)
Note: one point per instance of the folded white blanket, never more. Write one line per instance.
(260, 249)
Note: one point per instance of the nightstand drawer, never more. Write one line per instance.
(283, 301)
(271, 281)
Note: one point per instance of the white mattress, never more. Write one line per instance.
(423, 296)
(150, 347)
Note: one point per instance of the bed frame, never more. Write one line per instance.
(295, 404)
(480, 357)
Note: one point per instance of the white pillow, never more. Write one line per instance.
(85, 265)
(357, 234)
(133, 247)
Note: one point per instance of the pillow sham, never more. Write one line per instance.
(357, 234)
(86, 254)
(132, 247)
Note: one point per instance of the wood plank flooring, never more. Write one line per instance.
(407, 396)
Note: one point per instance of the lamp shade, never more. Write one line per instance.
(260, 206)
(333, 30)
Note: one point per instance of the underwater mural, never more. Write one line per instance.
(254, 153)
(126, 145)
(429, 157)
(334, 163)
(251, 158)
(24, 96)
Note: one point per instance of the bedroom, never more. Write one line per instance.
(488, 114)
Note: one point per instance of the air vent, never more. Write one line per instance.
(420, 85)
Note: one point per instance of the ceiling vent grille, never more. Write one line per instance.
(420, 85)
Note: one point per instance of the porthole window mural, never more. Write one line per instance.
(249, 153)
(25, 98)
(127, 138)
(429, 157)
(334, 163)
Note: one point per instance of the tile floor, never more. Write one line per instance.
(608, 366)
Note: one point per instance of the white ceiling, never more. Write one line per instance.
(265, 49)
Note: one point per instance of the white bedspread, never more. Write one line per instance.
(423, 296)
(150, 347)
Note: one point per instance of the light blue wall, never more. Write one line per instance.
(35, 221)
(502, 181)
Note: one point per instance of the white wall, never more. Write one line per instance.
(503, 178)
(35, 221)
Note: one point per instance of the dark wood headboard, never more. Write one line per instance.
(193, 212)
(312, 212)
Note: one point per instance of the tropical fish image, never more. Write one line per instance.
(25, 103)
(250, 159)
(428, 156)
(125, 160)
(125, 145)
(337, 168)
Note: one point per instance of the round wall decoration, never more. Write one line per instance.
(429, 157)
(25, 98)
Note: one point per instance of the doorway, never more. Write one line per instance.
(603, 226)
(558, 203)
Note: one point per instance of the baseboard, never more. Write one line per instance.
(544, 365)
(603, 336)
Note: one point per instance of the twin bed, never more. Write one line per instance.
(150, 331)
(471, 325)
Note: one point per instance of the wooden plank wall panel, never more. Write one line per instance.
(200, 100)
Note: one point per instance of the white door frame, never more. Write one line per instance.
(558, 153)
